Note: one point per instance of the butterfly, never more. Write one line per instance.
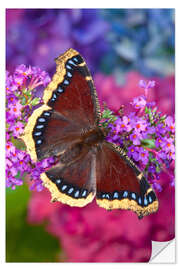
(67, 126)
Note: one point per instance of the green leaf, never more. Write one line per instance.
(146, 110)
(25, 242)
(35, 101)
(18, 143)
(150, 143)
(23, 101)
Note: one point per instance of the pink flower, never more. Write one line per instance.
(17, 129)
(139, 102)
(15, 109)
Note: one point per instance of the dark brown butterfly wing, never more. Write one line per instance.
(120, 184)
(71, 107)
(74, 183)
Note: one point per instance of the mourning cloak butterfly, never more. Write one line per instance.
(67, 126)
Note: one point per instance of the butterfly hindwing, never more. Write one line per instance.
(72, 183)
(120, 184)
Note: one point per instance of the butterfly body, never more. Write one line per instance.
(67, 126)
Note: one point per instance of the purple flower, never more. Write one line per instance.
(143, 155)
(159, 142)
(135, 137)
(139, 125)
(168, 145)
(139, 102)
(15, 109)
(161, 128)
(170, 124)
(147, 85)
(123, 124)
(17, 129)
(23, 70)
(133, 152)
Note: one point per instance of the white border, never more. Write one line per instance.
(73, 4)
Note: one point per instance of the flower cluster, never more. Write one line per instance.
(147, 135)
(21, 99)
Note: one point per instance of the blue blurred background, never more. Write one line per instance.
(109, 39)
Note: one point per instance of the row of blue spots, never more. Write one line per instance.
(69, 66)
(69, 190)
(130, 195)
(40, 124)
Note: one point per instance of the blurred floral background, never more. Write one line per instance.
(121, 47)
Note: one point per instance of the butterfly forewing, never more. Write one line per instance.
(71, 107)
